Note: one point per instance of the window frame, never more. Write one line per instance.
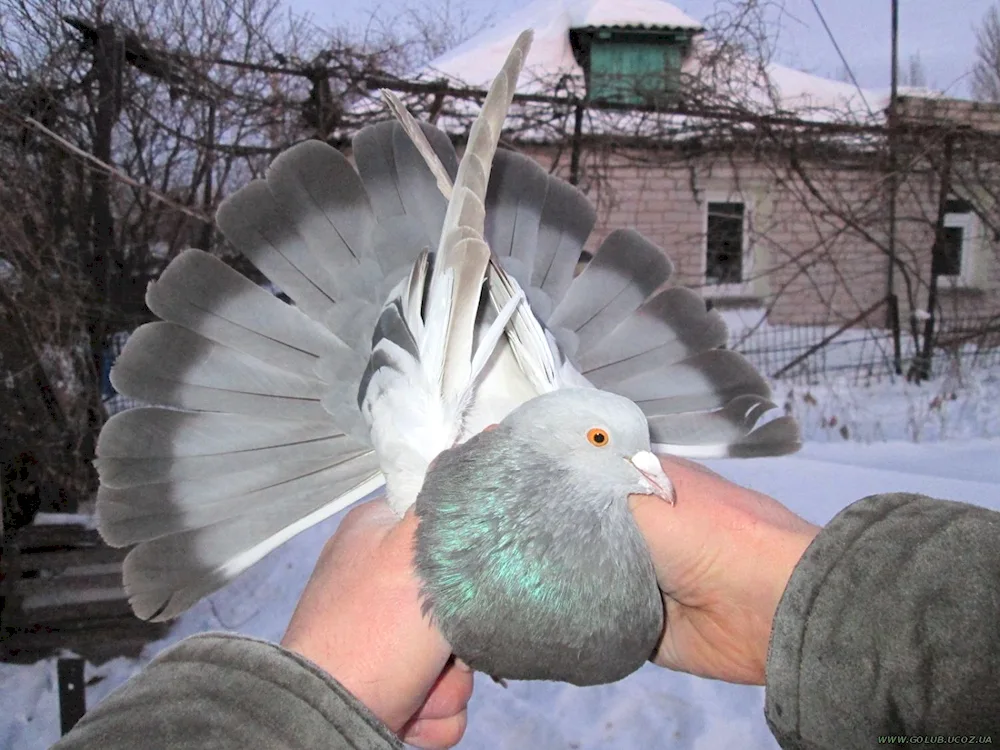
(968, 222)
(745, 287)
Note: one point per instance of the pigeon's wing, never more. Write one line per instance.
(257, 433)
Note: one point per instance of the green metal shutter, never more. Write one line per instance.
(633, 72)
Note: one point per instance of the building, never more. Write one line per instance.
(768, 186)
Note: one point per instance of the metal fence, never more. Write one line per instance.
(862, 354)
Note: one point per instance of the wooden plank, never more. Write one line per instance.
(55, 536)
(108, 621)
(61, 559)
(79, 612)
(98, 644)
(66, 589)
(70, 584)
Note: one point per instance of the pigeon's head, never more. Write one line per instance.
(599, 436)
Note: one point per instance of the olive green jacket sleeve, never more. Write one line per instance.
(890, 625)
(223, 692)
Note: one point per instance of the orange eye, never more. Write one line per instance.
(598, 437)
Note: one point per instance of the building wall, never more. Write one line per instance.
(806, 263)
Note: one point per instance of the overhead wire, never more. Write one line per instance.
(840, 54)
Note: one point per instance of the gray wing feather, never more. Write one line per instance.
(701, 401)
(398, 241)
(706, 381)
(204, 295)
(514, 202)
(323, 197)
(669, 328)
(778, 437)
(141, 513)
(124, 471)
(373, 153)
(192, 490)
(252, 221)
(163, 363)
(353, 319)
(568, 218)
(166, 576)
(403, 189)
(728, 424)
(625, 271)
(728, 432)
(149, 432)
(422, 199)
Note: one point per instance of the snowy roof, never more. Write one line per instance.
(476, 61)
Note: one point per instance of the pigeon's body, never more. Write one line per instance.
(430, 298)
(533, 566)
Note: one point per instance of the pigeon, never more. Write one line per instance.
(532, 565)
(430, 298)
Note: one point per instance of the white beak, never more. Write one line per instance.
(653, 477)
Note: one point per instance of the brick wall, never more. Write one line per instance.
(804, 262)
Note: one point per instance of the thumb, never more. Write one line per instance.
(679, 536)
(717, 531)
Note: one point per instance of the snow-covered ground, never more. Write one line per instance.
(839, 404)
(941, 438)
(652, 708)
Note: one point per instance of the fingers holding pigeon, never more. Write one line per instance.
(723, 555)
(360, 620)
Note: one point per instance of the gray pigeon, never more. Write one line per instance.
(430, 299)
(533, 567)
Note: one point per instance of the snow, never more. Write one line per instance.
(653, 707)
(960, 402)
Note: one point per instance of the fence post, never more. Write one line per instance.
(72, 692)
(921, 367)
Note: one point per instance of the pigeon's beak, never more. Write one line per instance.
(653, 477)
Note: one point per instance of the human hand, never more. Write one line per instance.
(360, 620)
(723, 556)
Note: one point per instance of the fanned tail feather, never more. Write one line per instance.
(206, 493)
(272, 410)
(263, 435)
(168, 575)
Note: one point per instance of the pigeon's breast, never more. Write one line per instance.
(525, 581)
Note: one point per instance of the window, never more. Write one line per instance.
(953, 259)
(631, 66)
(725, 243)
(949, 259)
